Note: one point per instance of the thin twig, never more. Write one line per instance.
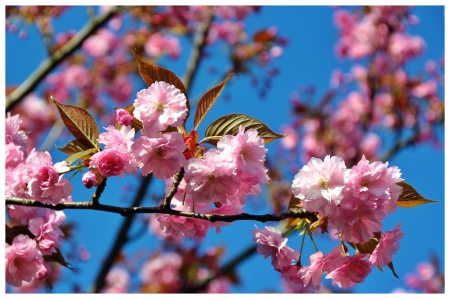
(176, 182)
(50, 63)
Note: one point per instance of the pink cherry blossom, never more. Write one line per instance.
(312, 274)
(426, 279)
(76, 75)
(120, 88)
(43, 272)
(22, 260)
(212, 178)
(388, 246)
(247, 148)
(161, 154)
(179, 226)
(159, 106)
(101, 44)
(162, 269)
(319, 184)
(120, 140)
(271, 243)
(350, 271)
(110, 162)
(159, 44)
(45, 226)
(117, 281)
(14, 155)
(123, 117)
(89, 180)
(13, 134)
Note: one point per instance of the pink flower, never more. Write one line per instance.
(120, 88)
(211, 179)
(44, 272)
(388, 246)
(425, 89)
(76, 76)
(160, 154)
(247, 148)
(109, 162)
(319, 184)
(89, 180)
(350, 271)
(427, 279)
(116, 282)
(101, 44)
(120, 140)
(312, 274)
(179, 226)
(162, 270)
(159, 106)
(45, 226)
(22, 260)
(13, 134)
(46, 185)
(14, 155)
(159, 44)
(123, 117)
(271, 243)
(291, 139)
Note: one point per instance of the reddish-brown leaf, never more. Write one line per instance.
(80, 123)
(410, 197)
(262, 36)
(207, 101)
(151, 73)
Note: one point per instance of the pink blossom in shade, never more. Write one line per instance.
(219, 286)
(179, 226)
(13, 134)
(44, 272)
(16, 181)
(109, 162)
(76, 76)
(211, 179)
(404, 47)
(357, 225)
(120, 88)
(425, 279)
(425, 89)
(14, 155)
(161, 154)
(162, 269)
(290, 274)
(22, 260)
(319, 184)
(159, 106)
(230, 208)
(350, 271)
(45, 227)
(101, 44)
(89, 180)
(312, 274)
(291, 139)
(370, 145)
(388, 246)
(117, 281)
(247, 148)
(271, 243)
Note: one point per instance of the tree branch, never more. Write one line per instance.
(122, 237)
(48, 65)
(199, 44)
(128, 212)
(176, 182)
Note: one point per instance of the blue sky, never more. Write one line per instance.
(309, 59)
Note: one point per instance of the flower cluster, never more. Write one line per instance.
(34, 176)
(353, 202)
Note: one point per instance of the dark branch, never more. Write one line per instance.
(127, 212)
(176, 182)
(48, 65)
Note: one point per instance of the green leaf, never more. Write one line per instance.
(207, 101)
(410, 197)
(80, 123)
(73, 147)
(136, 123)
(151, 73)
(87, 153)
(229, 125)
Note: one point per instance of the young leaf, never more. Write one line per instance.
(136, 123)
(207, 101)
(80, 123)
(151, 73)
(87, 153)
(391, 266)
(59, 258)
(410, 197)
(294, 204)
(229, 125)
(73, 147)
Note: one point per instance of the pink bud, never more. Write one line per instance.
(89, 180)
(123, 117)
